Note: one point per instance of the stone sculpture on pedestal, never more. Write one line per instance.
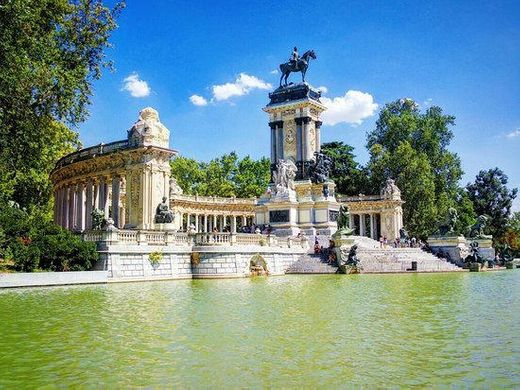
(447, 227)
(390, 190)
(284, 178)
(163, 213)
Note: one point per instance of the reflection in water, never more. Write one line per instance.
(384, 330)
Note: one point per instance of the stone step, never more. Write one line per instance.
(311, 264)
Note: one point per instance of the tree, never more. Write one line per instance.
(349, 177)
(413, 175)
(51, 51)
(491, 197)
(225, 176)
(512, 235)
(411, 147)
(252, 177)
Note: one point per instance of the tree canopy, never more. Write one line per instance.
(225, 176)
(412, 148)
(347, 174)
(491, 197)
(51, 51)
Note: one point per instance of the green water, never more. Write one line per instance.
(375, 330)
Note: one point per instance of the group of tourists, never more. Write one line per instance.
(399, 242)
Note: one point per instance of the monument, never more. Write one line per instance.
(301, 196)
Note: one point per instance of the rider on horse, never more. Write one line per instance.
(293, 60)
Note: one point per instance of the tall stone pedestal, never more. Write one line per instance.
(294, 121)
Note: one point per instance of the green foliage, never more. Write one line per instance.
(25, 257)
(30, 242)
(465, 211)
(62, 250)
(223, 176)
(411, 147)
(491, 197)
(50, 53)
(349, 177)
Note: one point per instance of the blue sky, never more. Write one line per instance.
(463, 56)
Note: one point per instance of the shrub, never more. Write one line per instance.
(25, 256)
(30, 241)
(62, 250)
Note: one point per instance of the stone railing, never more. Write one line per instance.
(149, 237)
(235, 239)
(365, 198)
(91, 152)
(138, 237)
(360, 198)
(213, 199)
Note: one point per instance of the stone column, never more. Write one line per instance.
(214, 225)
(95, 193)
(108, 192)
(361, 224)
(205, 223)
(306, 131)
(73, 210)
(273, 144)
(222, 223)
(279, 143)
(372, 227)
(116, 186)
(233, 224)
(318, 135)
(100, 204)
(244, 220)
(197, 223)
(351, 220)
(88, 205)
(80, 209)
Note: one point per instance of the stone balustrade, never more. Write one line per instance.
(214, 199)
(92, 151)
(162, 238)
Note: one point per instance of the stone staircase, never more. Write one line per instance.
(311, 264)
(375, 259)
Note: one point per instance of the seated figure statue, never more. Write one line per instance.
(163, 214)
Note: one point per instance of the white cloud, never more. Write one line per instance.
(137, 88)
(198, 100)
(242, 86)
(274, 71)
(351, 108)
(513, 134)
(323, 89)
(427, 102)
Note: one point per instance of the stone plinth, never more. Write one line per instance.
(453, 248)
(165, 226)
(486, 247)
(308, 210)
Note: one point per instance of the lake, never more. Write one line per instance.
(457, 329)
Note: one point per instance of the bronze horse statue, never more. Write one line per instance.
(301, 66)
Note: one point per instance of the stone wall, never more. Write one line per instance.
(126, 263)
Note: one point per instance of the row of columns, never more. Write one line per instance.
(75, 202)
(205, 223)
(304, 150)
(374, 226)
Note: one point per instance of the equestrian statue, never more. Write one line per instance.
(296, 64)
